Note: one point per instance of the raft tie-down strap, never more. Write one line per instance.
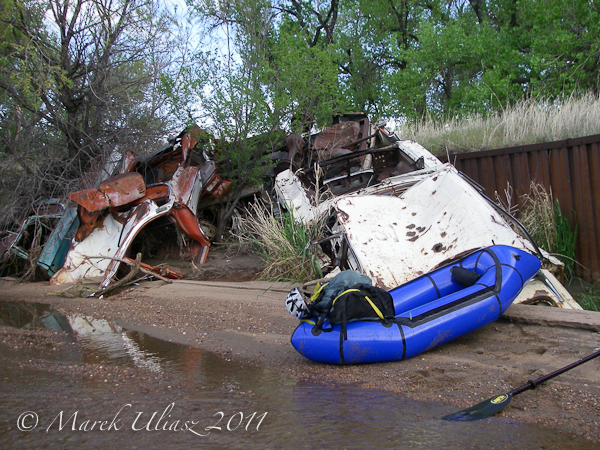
(344, 330)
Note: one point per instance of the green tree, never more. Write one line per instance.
(563, 45)
(232, 101)
(77, 77)
(265, 70)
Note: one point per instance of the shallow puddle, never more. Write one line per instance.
(219, 403)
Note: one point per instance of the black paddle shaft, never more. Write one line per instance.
(496, 404)
(532, 384)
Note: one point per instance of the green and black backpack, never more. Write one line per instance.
(358, 302)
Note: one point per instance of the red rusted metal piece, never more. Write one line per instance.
(87, 223)
(159, 191)
(128, 162)
(183, 183)
(338, 136)
(114, 191)
(161, 270)
(189, 224)
(217, 186)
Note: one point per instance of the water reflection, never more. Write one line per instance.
(300, 414)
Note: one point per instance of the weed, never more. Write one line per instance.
(589, 298)
(285, 245)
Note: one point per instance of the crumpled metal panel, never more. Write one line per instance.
(59, 242)
(188, 223)
(128, 162)
(114, 191)
(546, 290)
(104, 241)
(110, 240)
(217, 186)
(338, 136)
(291, 193)
(186, 185)
(139, 217)
(416, 151)
(396, 239)
(54, 252)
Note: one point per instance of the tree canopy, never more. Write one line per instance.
(77, 75)
(413, 58)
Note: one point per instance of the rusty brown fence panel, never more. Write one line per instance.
(570, 168)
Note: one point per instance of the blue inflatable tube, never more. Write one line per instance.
(429, 311)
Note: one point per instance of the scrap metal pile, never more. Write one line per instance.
(92, 234)
(393, 211)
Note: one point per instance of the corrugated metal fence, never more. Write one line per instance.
(570, 168)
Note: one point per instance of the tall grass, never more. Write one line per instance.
(589, 298)
(527, 122)
(548, 226)
(285, 244)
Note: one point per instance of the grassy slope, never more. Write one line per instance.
(528, 122)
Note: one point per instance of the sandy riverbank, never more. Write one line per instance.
(248, 321)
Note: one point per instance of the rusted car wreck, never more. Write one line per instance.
(165, 189)
(96, 233)
(393, 211)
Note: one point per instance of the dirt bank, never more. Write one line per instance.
(247, 320)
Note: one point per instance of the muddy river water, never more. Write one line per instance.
(99, 386)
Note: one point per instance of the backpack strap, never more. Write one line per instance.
(343, 293)
(316, 330)
(317, 292)
(319, 325)
(375, 308)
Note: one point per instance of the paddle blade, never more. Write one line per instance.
(482, 410)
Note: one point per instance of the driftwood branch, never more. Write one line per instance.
(129, 278)
(132, 264)
(125, 280)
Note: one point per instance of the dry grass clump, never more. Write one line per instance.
(550, 229)
(285, 244)
(538, 215)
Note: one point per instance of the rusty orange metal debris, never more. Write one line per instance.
(141, 197)
(115, 191)
(217, 186)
